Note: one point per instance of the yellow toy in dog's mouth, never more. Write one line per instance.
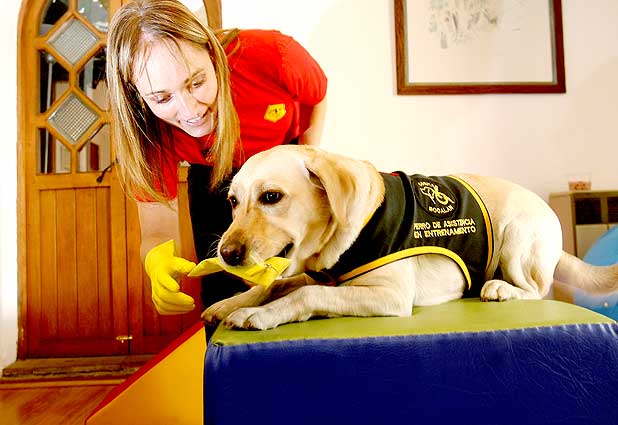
(258, 274)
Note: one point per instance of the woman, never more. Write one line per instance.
(181, 92)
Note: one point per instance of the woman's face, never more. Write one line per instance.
(179, 86)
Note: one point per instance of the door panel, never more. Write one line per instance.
(70, 293)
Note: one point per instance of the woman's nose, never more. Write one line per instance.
(188, 106)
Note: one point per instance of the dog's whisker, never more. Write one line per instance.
(213, 249)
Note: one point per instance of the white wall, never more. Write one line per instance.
(535, 140)
(9, 11)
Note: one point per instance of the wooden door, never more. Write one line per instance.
(83, 291)
(74, 297)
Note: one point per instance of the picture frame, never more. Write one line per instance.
(479, 46)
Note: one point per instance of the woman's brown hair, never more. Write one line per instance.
(137, 132)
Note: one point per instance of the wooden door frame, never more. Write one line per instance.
(21, 187)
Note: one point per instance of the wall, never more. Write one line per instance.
(535, 140)
(9, 11)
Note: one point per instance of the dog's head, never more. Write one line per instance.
(298, 202)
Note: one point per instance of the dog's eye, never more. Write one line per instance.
(270, 197)
(233, 201)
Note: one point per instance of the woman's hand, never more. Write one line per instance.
(159, 231)
(165, 270)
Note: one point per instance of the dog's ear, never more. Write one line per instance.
(337, 176)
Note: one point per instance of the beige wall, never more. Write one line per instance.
(535, 140)
(9, 11)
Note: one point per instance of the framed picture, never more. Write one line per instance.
(479, 46)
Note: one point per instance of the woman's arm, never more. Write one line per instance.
(313, 134)
(306, 82)
(158, 224)
(160, 239)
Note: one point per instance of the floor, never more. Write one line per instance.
(73, 368)
(61, 391)
(51, 402)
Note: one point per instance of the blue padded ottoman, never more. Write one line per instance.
(464, 362)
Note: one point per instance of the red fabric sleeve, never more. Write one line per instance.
(301, 74)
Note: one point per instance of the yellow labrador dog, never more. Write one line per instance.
(315, 207)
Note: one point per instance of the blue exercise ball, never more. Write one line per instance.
(602, 253)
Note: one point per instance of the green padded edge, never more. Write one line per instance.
(464, 315)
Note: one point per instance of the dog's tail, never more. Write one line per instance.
(593, 279)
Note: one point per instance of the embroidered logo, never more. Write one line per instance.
(275, 112)
(434, 197)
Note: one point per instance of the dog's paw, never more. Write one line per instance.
(219, 311)
(258, 318)
(498, 290)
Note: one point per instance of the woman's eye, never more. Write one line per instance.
(197, 83)
(162, 100)
(271, 197)
(233, 201)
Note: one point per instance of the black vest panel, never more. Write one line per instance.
(423, 215)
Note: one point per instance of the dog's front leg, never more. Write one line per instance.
(384, 292)
(221, 309)
(255, 296)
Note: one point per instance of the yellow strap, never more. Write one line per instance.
(488, 227)
(410, 252)
(259, 274)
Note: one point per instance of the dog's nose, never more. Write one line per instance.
(233, 253)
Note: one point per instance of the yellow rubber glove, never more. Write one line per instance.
(165, 269)
(258, 274)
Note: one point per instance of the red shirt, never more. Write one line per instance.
(275, 85)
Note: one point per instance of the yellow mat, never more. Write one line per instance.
(166, 390)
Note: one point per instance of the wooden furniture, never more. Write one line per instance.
(584, 216)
